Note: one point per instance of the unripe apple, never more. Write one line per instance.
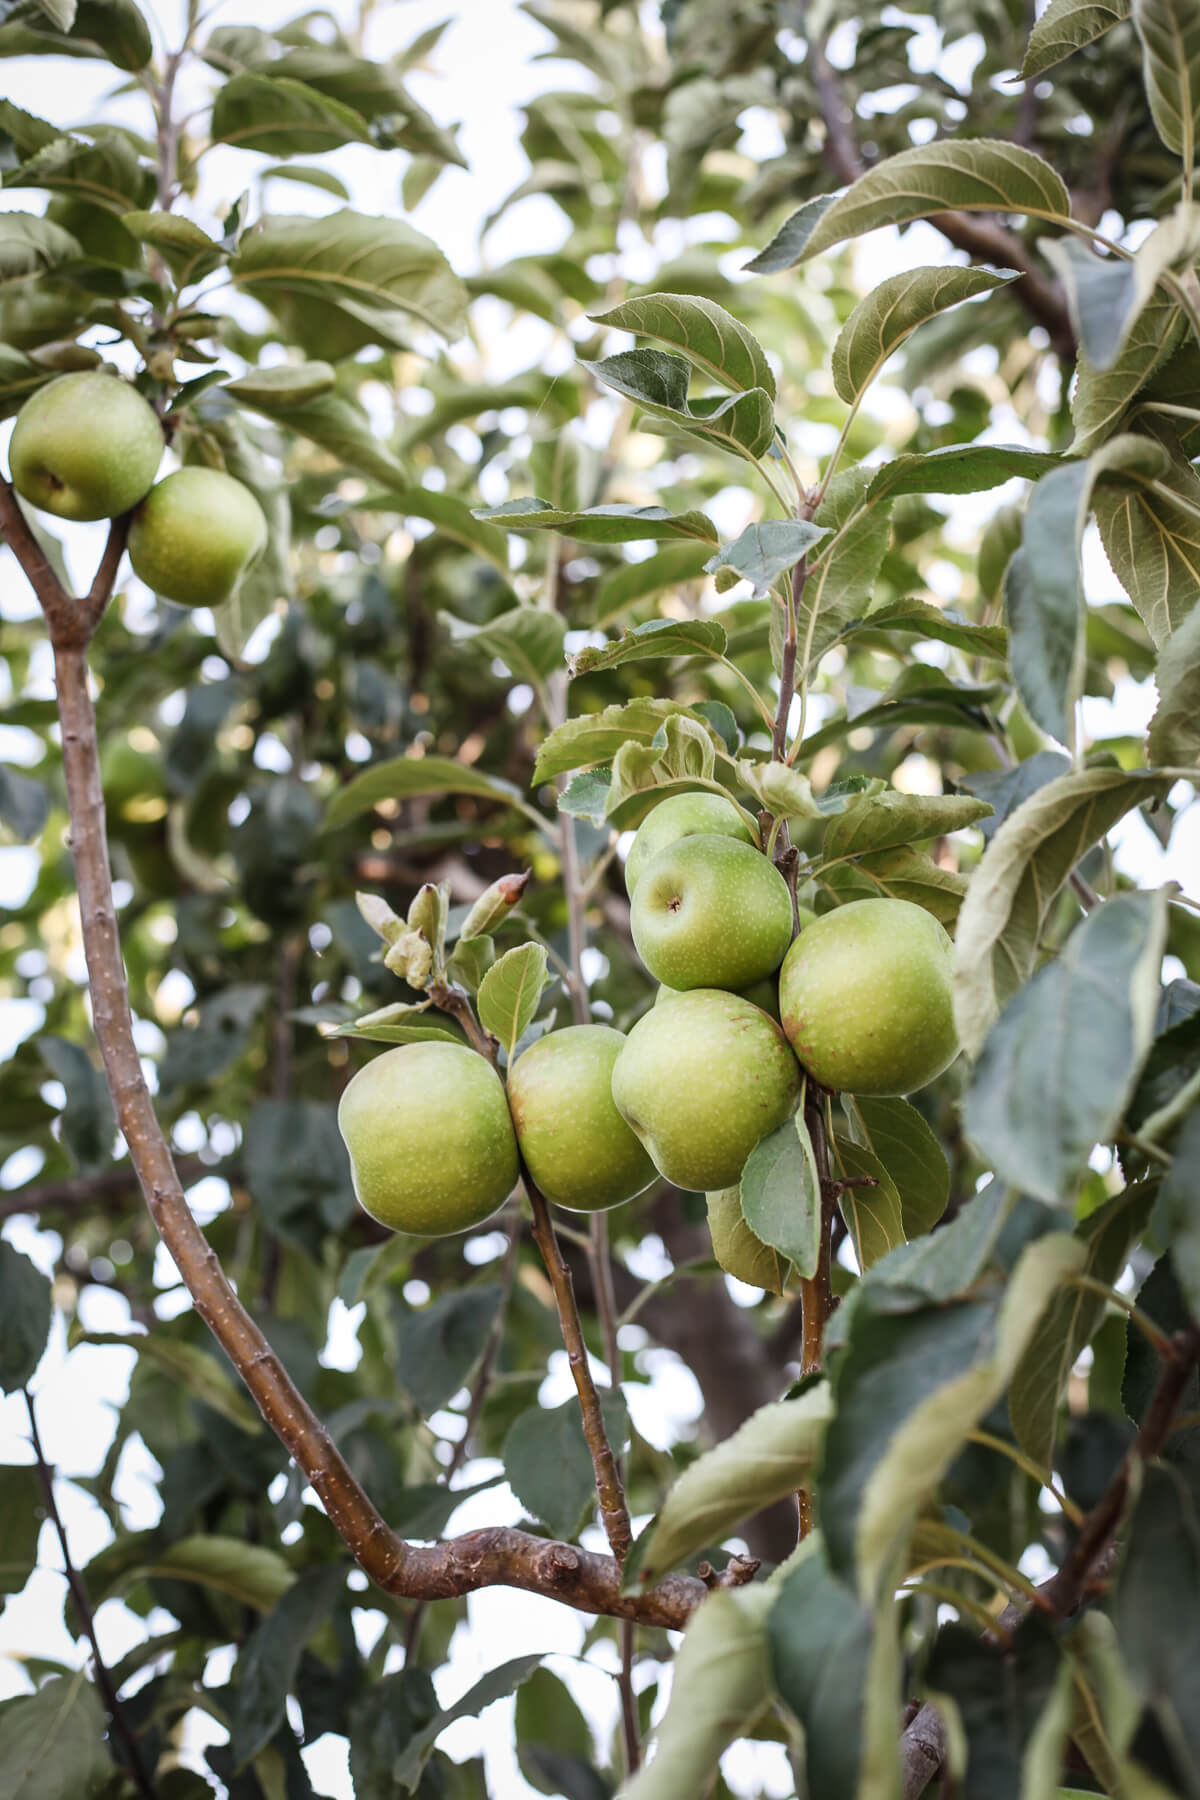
(195, 535)
(865, 997)
(679, 816)
(763, 994)
(576, 1145)
(431, 1142)
(710, 912)
(701, 1079)
(86, 446)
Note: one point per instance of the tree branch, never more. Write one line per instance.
(923, 1744)
(104, 1681)
(60, 610)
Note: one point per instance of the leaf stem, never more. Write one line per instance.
(1016, 1455)
(1153, 1333)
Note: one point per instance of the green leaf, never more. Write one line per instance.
(736, 1248)
(438, 1345)
(1070, 1322)
(104, 173)
(770, 1455)
(1066, 26)
(1160, 1579)
(841, 577)
(596, 737)
(632, 582)
(586, 795)
(112, 29)
(373, 88)
(1009, 788)
(404, 776)
(885, 821)
(452, 517)
(657, 382)
(554, 1741)
(1179, 1210)
(720, 1685)
(548, 1463)
(497, 1684)
(1044, 602)
(958, 469)
(1169, 31)
(601, 524)
(711, 339)
(61, 13)
(528, 639)
(192, 1368)
(1011, 1708)
(270, 1657)
(1101, 396)
(1153, 543)
(379, 275)
(317, 178)
(31, 247)
(874, 1215)
(283, 384)
(908, 1389)
(660, 637)
(1174, 735)
(510, 991)
(335, 422)
(781, 1194)
(279, 117)
(1018, 879)
(896, 1133)
(52, 1743)
(188, 252)
(916, 618)
(1101, 293)
(251, 1574)
(966, 174)
(766, 550)
(21, 1501)
(86, 1121)
(782, 791)
(1060, 1064)
(900, 875)
(882, 320)
(24, 804)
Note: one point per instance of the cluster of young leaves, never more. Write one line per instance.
(393, 737)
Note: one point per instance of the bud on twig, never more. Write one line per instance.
(411, 958)
(494, 905)
(380, 917)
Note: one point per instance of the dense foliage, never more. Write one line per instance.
(711, 538)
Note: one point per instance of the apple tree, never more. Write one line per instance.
(681, 747)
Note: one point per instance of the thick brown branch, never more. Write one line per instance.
(60, 609)
(91, 609)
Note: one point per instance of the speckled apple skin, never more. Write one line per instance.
(431, 1143)
(701, 1079)
(680, 816)
(195, 535)
(865, 998)
(710, 912)
(577, 1147)
(86, 446)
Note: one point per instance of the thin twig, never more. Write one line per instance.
(120, 1724)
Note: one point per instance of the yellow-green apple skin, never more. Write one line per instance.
(700, 1080)
(865, 998)
(576, 1145)
(763, 994)
(86, 446)
(431, 1143)
(711, 912)
(195, 535)
(683, 815)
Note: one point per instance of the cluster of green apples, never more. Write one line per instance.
(860, 999)
(87, 446)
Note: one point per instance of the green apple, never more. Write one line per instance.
(865, 997)
(680, 816)
(576, 1145)
(701, 1079)
(431, 1142)
(86, 446)
(710, 912)
(763, 994)
(195, 535)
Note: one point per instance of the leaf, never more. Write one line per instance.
(270, 1657)
(86, 1121)
(26, 1310)
(438, 1345)
(105, 172)
(52, 1743)
(527, 639)
(497, 1684)
(1179, 1210)
(657, 382)
(405, 776)
(1009, 788)
(24, 804)
(1068, 25)
(282, 384)
(841, 578)
(711, 339)
(1160, 1579)
(1070, 1322)
(766, 550)
(510, 991)
(1153, 544)
(31, 247)
(452, 517)
(191, 1367)
(1015, 885)
(720, 1686)
(888, 820)
(900, 875)
(374, 89)
(958, 469)
(377, 274)
(658, 638)
(1011, 1707)
(335, 422)
(784, 792)
(1174, 735)
(1101, 295)
(966, 174)
(113, 29)
(873, 1215)
(908, 1388)
(251, 1574)
(1101, 396)
(1169, 32)
(739, 1252)
(548, 1463)
(781, 1194)
(614, 524)
(1060, 1064)
(188, 252)
(554, 1741)
(882, 320)
(597, 737)
(279, 117)
(21, 1501)
(918, 618)
(632, 582)
(323, 179)
(947, 1263)
(896, 1133)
